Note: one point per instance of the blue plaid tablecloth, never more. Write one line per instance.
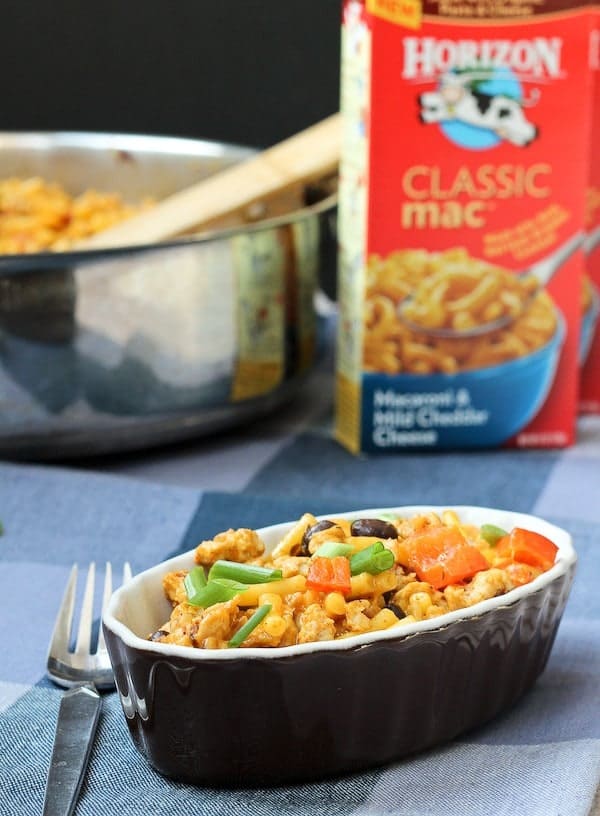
(541, 758)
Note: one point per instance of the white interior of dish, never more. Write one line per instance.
(140, 607)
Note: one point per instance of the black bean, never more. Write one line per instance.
(396, 610)
(309, 533)
(158, 635)
(373, 527)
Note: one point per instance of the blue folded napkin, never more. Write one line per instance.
(541, 758)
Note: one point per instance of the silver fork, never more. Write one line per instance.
(83, 672)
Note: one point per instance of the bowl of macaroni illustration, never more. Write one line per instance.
(478, 408)
(421, 389)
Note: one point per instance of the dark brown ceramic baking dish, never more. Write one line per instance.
(262, 717)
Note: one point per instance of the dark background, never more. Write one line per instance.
(247, 71)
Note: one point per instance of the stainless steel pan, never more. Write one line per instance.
(113, 350)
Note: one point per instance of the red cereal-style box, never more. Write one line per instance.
(462, 222)
(589, 402)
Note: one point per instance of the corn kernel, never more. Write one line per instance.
(274, 626)
(383, 620)
(335, 605)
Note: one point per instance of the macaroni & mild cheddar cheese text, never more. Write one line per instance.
(465, 159)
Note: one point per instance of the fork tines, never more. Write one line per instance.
(66, 666)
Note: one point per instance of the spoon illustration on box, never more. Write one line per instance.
(467, 303)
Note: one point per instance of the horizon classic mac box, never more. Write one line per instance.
(462, 222)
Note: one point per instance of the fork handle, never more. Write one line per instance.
(75, 729)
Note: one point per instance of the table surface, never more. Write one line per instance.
(542, 757)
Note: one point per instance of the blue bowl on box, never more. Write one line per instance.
(480, 408)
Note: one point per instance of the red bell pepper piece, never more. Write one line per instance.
(527, 547)
(329, 574)
(442, 556)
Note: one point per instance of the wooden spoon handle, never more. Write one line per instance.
(303, 158)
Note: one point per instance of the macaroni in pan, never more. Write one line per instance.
(449, 290)
(334, 579)
(37, 216)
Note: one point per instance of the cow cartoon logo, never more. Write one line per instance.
(479, 108)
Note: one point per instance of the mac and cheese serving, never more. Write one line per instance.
(336, 578)
(37, 216)
(449, 290)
